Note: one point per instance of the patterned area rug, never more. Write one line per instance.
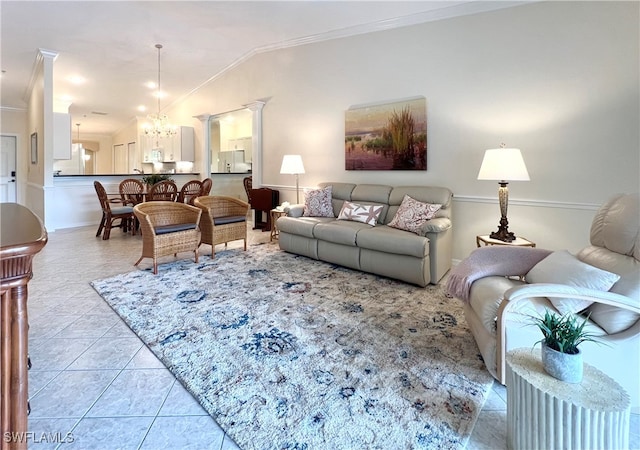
(289, 353)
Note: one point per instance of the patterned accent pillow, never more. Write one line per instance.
(317, 203)
(360, 213)
(412, 214)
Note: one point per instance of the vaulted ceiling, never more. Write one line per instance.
(107, 55)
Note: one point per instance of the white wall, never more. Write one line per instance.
(558, 80)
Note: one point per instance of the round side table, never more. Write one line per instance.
(546, 413)
(275, 214)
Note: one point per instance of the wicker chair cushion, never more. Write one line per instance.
(122, 210)
(164, 229)
(229, 219)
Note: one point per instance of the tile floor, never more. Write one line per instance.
(94, 385)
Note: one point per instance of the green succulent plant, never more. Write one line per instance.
(563, 333)
(154, 178)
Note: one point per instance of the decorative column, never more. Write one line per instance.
(204, 166)
(256, 141)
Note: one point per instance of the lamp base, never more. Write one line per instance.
(503, 234)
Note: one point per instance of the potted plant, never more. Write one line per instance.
(154, 178)
(561, 357)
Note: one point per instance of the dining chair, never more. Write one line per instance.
(248, 185)
(207, 183)
(111, 214)
(165, 191)
(131, 191)
(190, 191)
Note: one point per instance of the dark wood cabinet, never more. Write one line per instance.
(22, 236)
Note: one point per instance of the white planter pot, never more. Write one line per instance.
(563, 366)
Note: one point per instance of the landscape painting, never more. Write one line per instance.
(388, 136)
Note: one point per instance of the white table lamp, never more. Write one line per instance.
(292, 164)
(504, 165)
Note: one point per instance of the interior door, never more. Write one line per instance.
(120, 159)
(8, 169)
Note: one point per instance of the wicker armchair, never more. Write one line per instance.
(111, 214)
(224, 219)
(167, 229)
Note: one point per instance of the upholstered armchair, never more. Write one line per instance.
(502, 287)
(168, 228)
(224, 219)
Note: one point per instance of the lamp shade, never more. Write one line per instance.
(503, 164)
(292, 164)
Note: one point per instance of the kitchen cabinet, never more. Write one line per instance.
(181, 146)
(61, 135)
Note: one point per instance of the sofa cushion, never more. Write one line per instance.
(301, 226)
(339, 232)
(317, 203)
(391, 240)
(376, 194)
(561, 267)
(358, 212)
(412, 214)
(339, 193)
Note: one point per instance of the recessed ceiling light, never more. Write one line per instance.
(151, 85)
(159, 94)
(142, 108)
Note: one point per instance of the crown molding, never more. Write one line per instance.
(457, 9)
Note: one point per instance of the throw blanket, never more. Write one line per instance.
(488, 261)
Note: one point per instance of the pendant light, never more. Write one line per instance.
(159, 126)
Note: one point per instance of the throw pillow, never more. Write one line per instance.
(561, 267)
(360, 213)
(412, 214)
(317, 203)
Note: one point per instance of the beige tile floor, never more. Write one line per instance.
(94, 385)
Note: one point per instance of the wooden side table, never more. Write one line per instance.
(543, 412)
(518, 241)
(275, 214)
(22, 235)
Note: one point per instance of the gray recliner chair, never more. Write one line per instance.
(498, 307)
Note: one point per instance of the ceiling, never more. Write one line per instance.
(110, 45)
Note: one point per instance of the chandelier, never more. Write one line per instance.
(159, 126)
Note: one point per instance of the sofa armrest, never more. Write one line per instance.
(436, 225)
(295, 210)
(549, 290)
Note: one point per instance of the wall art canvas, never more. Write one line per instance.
(387, 136)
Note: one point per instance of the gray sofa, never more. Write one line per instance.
(383, 250)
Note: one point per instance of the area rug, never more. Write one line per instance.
(285, 352)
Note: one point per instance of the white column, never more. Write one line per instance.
(204, 163)
(256, 144)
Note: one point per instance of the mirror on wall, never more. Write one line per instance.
(231, 141)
